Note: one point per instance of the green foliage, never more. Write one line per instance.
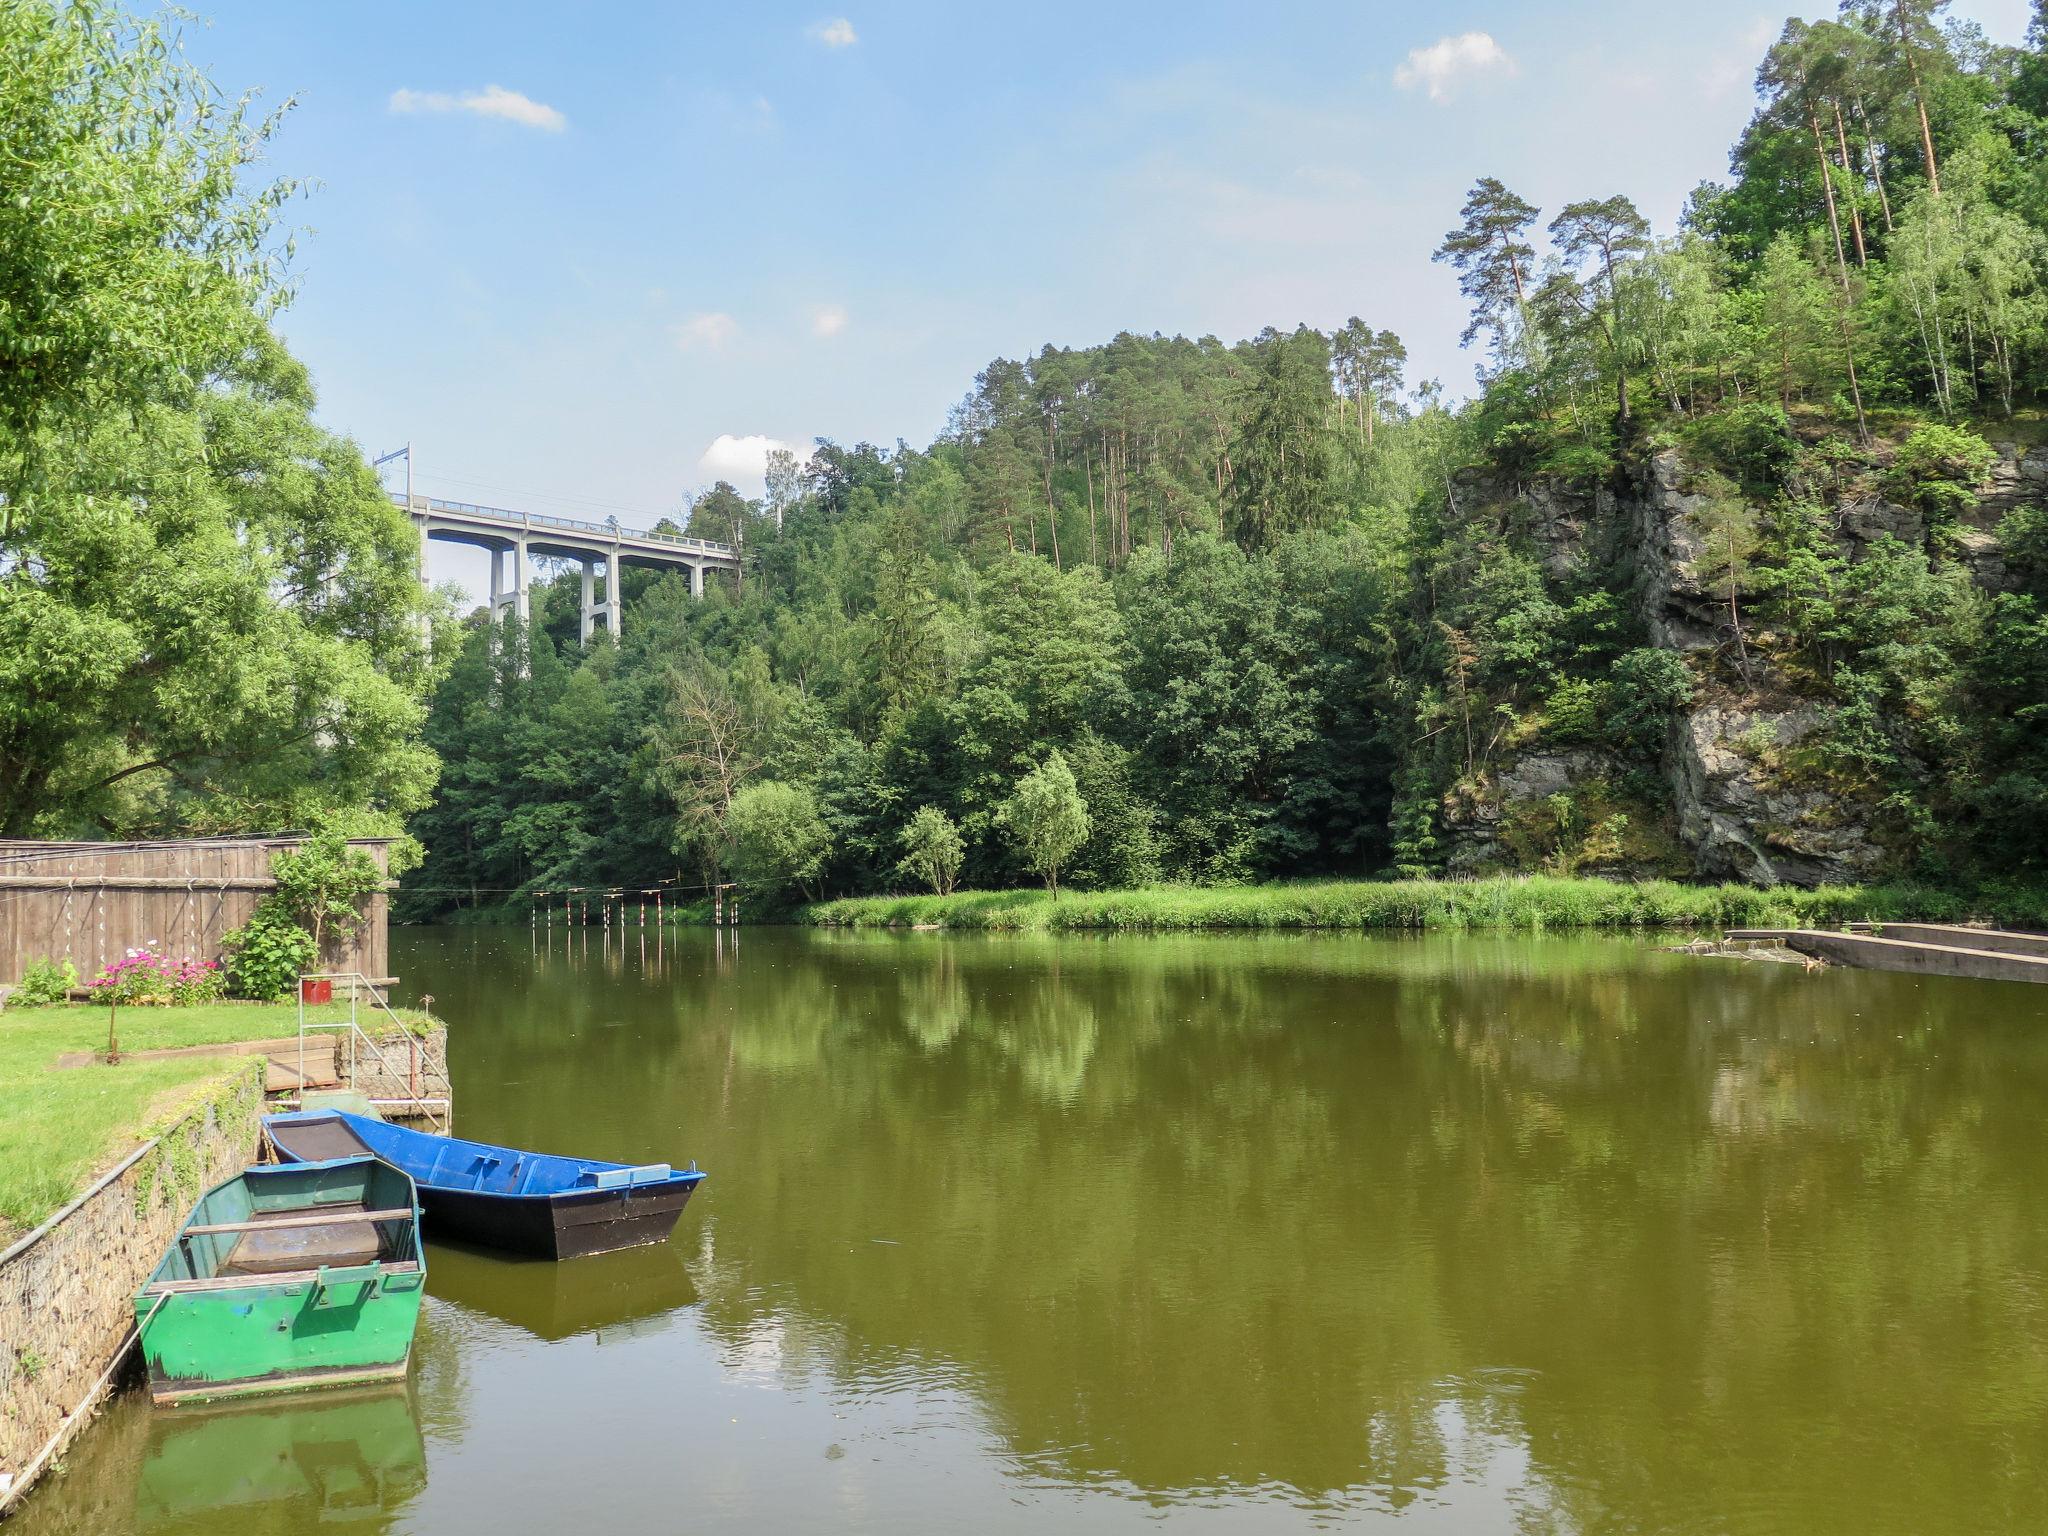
(130, 236)
(322, 884)
(1750, 441)
(932, 849)
(1645, 689)
(2023, 534)
(1939, 469)
(779, 839)
(1279, 620)
(1122, 847)
(209, 612)
(266, 955)
(1046, 819)
(1525, 902)
(1283, 457)
(45, 981)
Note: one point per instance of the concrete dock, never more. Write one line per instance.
(1927, 949)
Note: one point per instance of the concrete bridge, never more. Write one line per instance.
(513, 537)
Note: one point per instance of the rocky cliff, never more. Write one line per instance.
(1741, 789)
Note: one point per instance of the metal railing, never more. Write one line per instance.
(607, 530)
(438, 1111)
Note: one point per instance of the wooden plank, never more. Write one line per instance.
(341, 1216)
(83, 885)
(244, 1282)
(90, 902)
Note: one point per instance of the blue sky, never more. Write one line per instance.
(565, 250)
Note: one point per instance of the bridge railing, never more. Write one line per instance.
(545, 520)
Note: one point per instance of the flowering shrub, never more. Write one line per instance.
(144, 977)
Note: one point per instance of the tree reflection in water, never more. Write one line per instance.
(1520, 1233)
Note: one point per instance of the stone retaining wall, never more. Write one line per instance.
(67, 1289)
(411, 1065)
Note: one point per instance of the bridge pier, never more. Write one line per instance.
(513, 602)
(696, 581)
(427, 586)
(594, 609)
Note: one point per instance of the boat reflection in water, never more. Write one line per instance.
(598, 1294)
(283, 1465)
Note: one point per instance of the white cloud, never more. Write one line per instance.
(491, 101)
(744, 460)
(828, 320)
(708, 331)
(837, 33)
(1439, 66)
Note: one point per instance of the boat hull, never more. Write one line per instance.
(556, 1226)
(286, 1296)
(473, 1191)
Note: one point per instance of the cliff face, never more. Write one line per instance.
(1742, 788)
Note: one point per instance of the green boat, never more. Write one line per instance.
(300, 1275)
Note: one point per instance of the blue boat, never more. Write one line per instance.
(501, 1197)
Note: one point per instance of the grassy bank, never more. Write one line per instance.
(60, 1127)
(1524, 902)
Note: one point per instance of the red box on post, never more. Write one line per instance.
(315, 991)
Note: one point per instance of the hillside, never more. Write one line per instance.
(1733, 569)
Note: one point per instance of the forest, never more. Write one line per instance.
(1733, 567)
(1275, 610)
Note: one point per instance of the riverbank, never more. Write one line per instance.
(58, 1128)
(1520, 902)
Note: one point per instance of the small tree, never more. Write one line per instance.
(1046, 818)
(779, 839)
(322, 882)
(931, 849)
(1728, 541)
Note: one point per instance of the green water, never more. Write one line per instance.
(1438, 1234)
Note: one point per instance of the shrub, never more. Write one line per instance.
(2024, 533)
(1939, 469)
(1517, 448)
(267, 954)
(45, 981)
(1751, 442)
(143, 977)
(1645, 688)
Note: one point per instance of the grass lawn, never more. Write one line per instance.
(1524, 902)
(61, 1128)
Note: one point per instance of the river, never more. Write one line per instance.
(1444, 1233)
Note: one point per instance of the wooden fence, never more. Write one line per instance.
(93, 902)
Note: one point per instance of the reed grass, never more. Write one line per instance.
(1528, 902)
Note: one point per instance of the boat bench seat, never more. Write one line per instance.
(623, 1178)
